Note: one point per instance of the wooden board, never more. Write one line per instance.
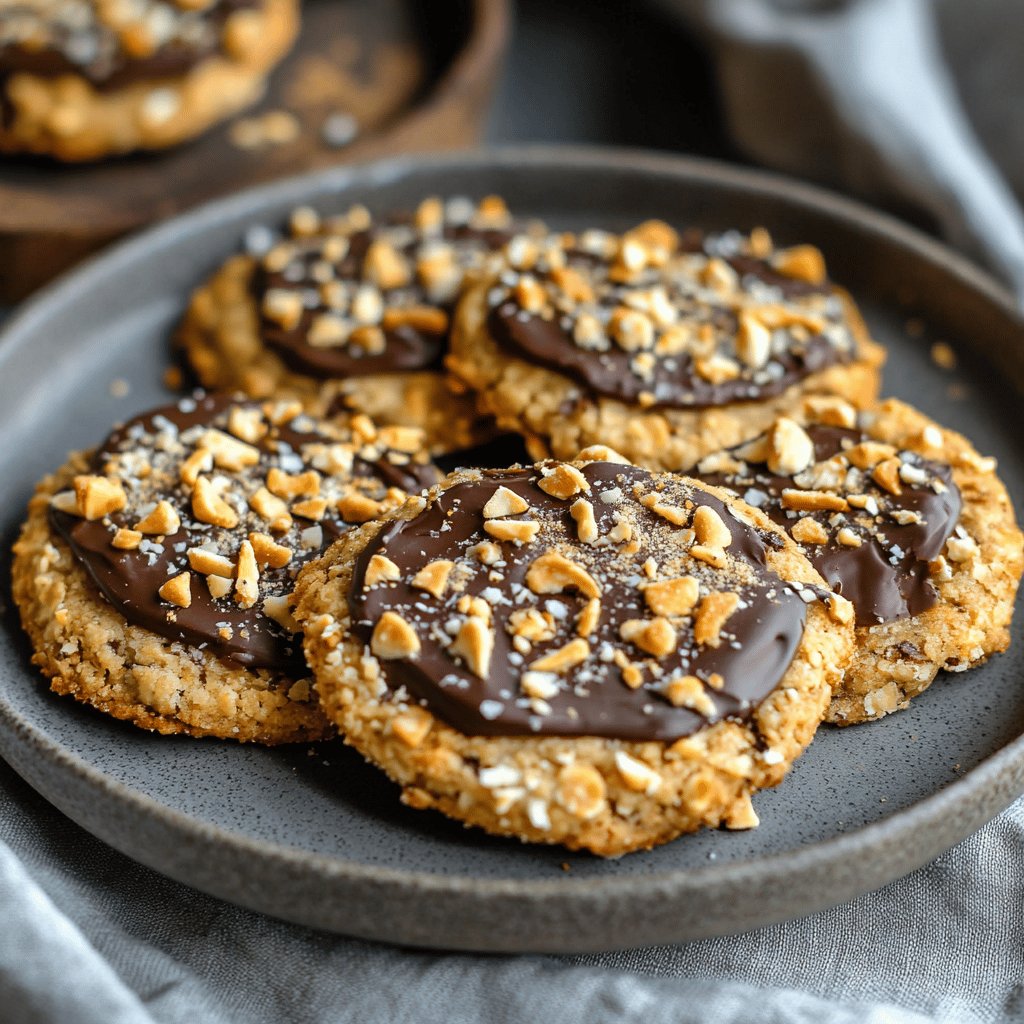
(414, 76)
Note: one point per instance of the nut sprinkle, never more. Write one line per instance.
(577, 599)
(195, 518)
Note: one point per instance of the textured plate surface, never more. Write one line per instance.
(314, 835)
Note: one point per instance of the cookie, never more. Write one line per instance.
(665, 347)
(154, 575)
(351, 312)
(582, 653)
(903, 518)
(81, 80)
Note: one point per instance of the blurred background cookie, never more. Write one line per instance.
(82, 80)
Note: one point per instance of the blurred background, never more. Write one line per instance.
(910, 105)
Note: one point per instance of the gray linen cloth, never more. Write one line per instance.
(89, 937)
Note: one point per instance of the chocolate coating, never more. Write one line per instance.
(885, 581)
(546, 343)
(672, 380)
(130, 579)
(763, 635)
(406, 348)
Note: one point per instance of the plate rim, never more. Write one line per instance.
(557, 158)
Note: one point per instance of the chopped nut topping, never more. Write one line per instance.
(178, 590)
(688, 692)
(210, 563)
(97, 496)
(246, 424)
(504, 502)
(520, 531)
(809, 531)
(713, 613)
(869, 453)
(209, 507)
(803, 262)
(586, 526)
(475, 644)
(290, 486)
(712, 556)
(574, 653)
(219, 586)
(385, 266)
(164, 519)
(813, 501)
(887, 475)
(393, 638)
(381, 569)
(200, 461)
(594, 453)
(358, 508)
(564, 481)
(311, 508)
(675, 515)
(126, 540)
(674, 597)
(655, 636)
(588, 618)
(753, 341)
(278, 609)
(426, 319)
(532, 625)
(710, 529)
(228, 452)
(552, 573)
(433, 577)
(247, 577)
(790, 449)
(848, 538)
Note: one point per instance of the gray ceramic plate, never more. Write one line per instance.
(317, 837)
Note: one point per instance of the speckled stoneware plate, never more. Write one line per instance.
(316, 836)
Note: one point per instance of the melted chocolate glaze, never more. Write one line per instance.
(129, 580)
(766, 632)
(884, 582)
(675, 382)
(406, 348)
(545, 343)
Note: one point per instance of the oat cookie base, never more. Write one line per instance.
(65, 117)
(220, 337)
(898, 660)
(559, 419)
(88, 651)
(707, 778)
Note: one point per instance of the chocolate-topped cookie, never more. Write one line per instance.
(154, 575)
(81, 80)
(583, 653)
(666, 347)
(905, 520)
(351, 312)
